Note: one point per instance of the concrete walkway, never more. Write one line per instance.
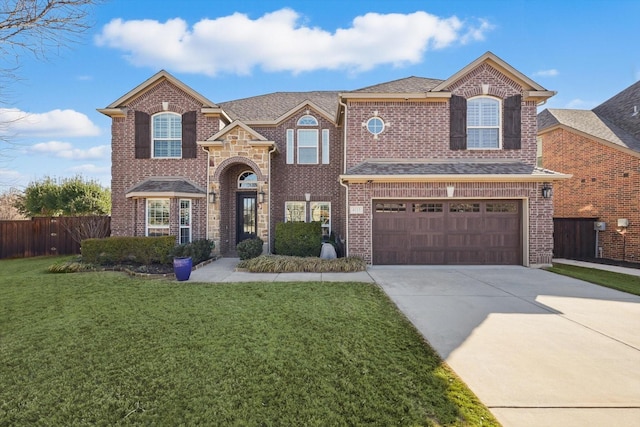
(538, 349)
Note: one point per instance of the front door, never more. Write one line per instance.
(246, 216)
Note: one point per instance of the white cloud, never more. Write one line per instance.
(547, 73)
(58, 122)
(278, 41)
(65, 150)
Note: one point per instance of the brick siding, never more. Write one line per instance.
(128, 215)
(603, 186)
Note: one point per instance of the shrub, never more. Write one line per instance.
(123, 250)
(290, 264)
(250, 248)
(303, 239)
(199, 250)
(72, 266)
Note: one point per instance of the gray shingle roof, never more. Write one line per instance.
(271, 106)
(590, 123)
(612, 121)
(619, 110)
(453, 167)
(167, 185)
(407, 85)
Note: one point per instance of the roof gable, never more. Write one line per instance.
(151, 82)
(235, 124)
(588, 123)
(531, 90)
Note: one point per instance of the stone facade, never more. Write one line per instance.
(236, 152)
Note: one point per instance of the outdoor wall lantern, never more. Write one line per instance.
(547, 191)
(212, 196)
(261, 196)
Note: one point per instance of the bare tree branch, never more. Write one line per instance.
(38, 25)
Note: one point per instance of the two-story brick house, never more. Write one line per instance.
(413, 171)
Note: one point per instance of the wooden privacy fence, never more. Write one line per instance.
(43, 236)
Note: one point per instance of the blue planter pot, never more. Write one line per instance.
(182, 268)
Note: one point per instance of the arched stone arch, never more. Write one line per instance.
(231, 161)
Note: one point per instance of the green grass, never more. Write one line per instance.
(102, 348)
(610, 279)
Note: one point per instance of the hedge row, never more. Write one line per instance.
(123, 250)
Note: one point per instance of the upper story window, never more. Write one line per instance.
(248, 179)
(167, 135)
(375, 126)
(307, 120)
(305, 146)
(483, 123)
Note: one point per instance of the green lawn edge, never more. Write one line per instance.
(610, 279)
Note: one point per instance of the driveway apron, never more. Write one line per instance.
(538, 349)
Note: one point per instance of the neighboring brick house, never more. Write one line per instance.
(413, 171)
(601, 149)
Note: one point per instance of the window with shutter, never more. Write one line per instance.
(142, 135)
(512, 123)
(189, 145)
(167, 135)
(483, 123)
(458, 123)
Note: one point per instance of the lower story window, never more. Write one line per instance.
(157, 217)
(185, 221)
(295, 212)
(321, 211)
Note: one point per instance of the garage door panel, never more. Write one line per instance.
(447, 232)
(433, 257)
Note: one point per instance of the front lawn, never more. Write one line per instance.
(103, 348)
(610, 279)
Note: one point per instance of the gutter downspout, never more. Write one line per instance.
(206, 196)
(269, 199)
(344, 171)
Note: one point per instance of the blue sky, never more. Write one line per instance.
(587, 51)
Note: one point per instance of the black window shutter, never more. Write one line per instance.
(189, 146)
(143, 135)
(458, 123)
(512, 123)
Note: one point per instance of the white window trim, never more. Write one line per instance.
(182, 227)
(308, 147)
(249, 184)
(499, 126)
(375, 134)
(290, 147)
(307, 116)
(148, 226)
(297, 202)
(153, 138)
(325, 146)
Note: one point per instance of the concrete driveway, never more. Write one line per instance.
(537, 348)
